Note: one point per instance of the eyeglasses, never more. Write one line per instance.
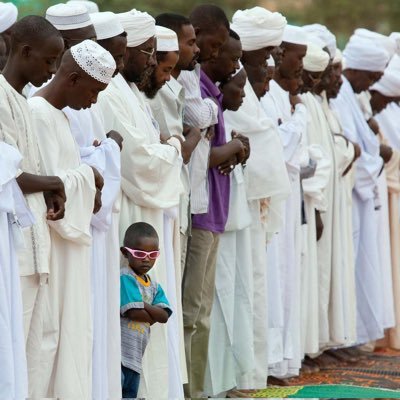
(140, 254)
(148, 53)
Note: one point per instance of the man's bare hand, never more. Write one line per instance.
(117, 137)
(55, 206)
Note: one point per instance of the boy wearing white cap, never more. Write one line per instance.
(65, 368)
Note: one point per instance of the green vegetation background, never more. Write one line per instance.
(341, 16)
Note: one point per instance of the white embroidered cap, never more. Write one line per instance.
(94, 60)
(90, 6)
(295, 35)
(67, 16)
(106, 24)
(8, 16)
(167, 40)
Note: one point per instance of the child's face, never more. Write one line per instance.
(141, 266)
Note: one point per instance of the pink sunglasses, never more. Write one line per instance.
(153, 255)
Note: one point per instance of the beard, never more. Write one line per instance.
(151, 87)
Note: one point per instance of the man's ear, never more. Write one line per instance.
(124, 252)
(73, 78)
(26, 50)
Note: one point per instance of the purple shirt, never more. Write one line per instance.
(218, 185)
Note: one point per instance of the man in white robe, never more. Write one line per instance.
(266, 178)
(149, 171)
(284, 251)
(66, 357)
(102, 151)
(364, 64)
(14, 214)
(16, 130)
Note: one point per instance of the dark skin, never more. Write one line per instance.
(3, 53)
(188, 50)
(259, 78)
(149, 314)
(335, 81)
(277, 54)
(210, 41)
(28, 63)
(75, 36)
(310, 81)
(361, 80)
(256, 58)
(292, 62)
(72, 87)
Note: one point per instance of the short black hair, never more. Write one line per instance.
(32, 29)
(104, 42)
(139, 230)
(172, 21)
(233, 34)
(208, 17)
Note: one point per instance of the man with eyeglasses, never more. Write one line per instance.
(150, 174)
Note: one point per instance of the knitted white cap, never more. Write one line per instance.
(68, 16)
(8, 16)
(94, 60)
(90, 6)
(106, 24)
(167, 40)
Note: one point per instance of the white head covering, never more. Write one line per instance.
(270, 61)
(316, 59)
(258, 28)
(338, 57)
(94, 60)
(67, 16)
(139, 26)
(295, 35)
(167, 40)
(396, 37)
(8, 16)
(389, 44)
(389, 84)
(365, 55)
(106, 24)
(90, 6)
(322, 33)
(394, 63)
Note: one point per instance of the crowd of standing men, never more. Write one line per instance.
(265, 163)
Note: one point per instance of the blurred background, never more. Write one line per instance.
(340, 16)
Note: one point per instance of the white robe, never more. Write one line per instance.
(267, 183)
(344, 155)
(149, 170)
(33, 258)
(284, 250)
(367, 170)
(87, 126)
(66, 350)
(13, 215)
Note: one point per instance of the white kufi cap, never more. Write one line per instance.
(316, 59)
(363, 54)
(389, 44)
(106, 24)
(8, 16)
(258, 28)
(67, 16)
(323, 34)
(96, 61)
(139, 26)
(90, 6)
(295, 35)
(167, 40)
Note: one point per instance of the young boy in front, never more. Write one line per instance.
(143, 302)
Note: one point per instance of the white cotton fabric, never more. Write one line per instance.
(316, 59)
(68, 16)
(106, 24)
(8, 16)
(396, 37)
(96, 61)
(139, 26)
(295, 35)
(338, 57)
(386, 42)
(258, 28)
(90, 6)
(364, 54)
(389, 84)
(167, 40)
(270, 61)
(322, 33)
